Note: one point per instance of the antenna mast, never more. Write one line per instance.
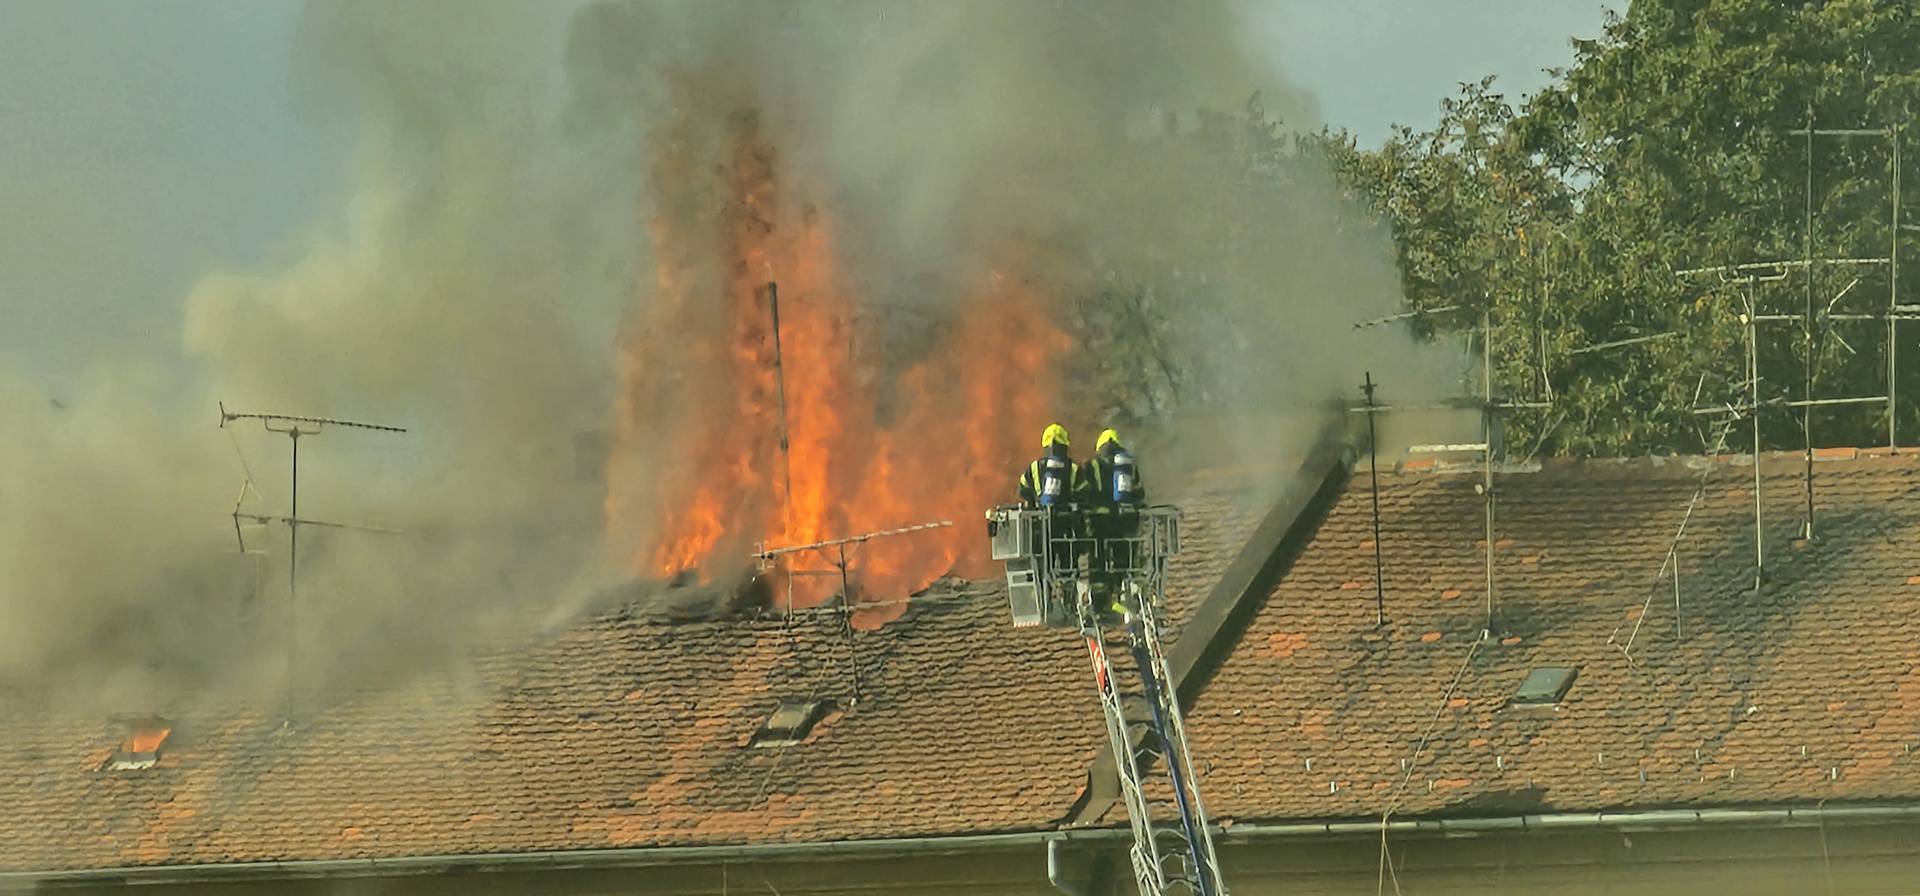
(295, 428)
(1373, 470)
(1490, 410)
(768, 556)
(780, 386)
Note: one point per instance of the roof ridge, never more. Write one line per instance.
(1410, 464)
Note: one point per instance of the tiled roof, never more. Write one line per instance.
(620, 732)
(1807, 691)
(627, 731)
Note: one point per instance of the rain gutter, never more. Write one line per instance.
(1798, 816)
(613, 859)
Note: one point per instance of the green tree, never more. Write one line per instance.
(1665, 147)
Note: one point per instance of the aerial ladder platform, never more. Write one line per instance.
(1103, 573)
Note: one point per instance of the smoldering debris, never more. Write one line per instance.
(685, 600)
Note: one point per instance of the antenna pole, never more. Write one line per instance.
(1489, 409)
(780, 385)
(293, 576)
(1486, 423)
(1893, 303)
(1542, 390)
(1373, 470)
(1806, 338)
(290, 425)
(846, 624)
(294, 432)
(1753, 402)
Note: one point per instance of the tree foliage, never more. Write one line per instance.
(1568, 219)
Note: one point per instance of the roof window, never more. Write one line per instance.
(140, 749)
(1544, 686)
(790, 722)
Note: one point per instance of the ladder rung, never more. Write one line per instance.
(1144, 724)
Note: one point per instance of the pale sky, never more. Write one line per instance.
(144, 142)
(1376, 63)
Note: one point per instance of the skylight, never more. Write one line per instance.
(1544, 686)
(141, 747)
(790, 722)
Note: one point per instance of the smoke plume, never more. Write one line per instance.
(524, 185)
(465, 292)
(1119, 163)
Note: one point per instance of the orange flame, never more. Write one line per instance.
(146, 737)
(700, 369)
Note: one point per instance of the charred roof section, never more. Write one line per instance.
(790, 723)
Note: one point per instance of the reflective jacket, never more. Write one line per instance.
(1051, 480)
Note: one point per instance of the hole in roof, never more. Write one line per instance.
(790, 722)
(1544, 686)
(140, 745)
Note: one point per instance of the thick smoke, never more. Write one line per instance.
(466, 291)
(1101, 149)
(474, 285)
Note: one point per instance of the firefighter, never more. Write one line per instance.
(1112, 479)
(1054, 479)
(1113, 475)
(1053, 482)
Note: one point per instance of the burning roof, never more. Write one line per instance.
(751, 414)
(626, 732)
(140, 748)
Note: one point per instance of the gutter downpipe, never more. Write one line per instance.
(588, 859)
(1057, 874)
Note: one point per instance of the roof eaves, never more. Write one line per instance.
(641, 857)
(1705, 816)
(549, 860)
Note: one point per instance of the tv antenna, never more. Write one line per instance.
(295, 428)
(835, 548)
(1817, 323)
(1491, 408)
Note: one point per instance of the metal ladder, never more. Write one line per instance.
(1143, 721)
(1052, 558)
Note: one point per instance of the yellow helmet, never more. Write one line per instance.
(1054, 434)
(1105, 437)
